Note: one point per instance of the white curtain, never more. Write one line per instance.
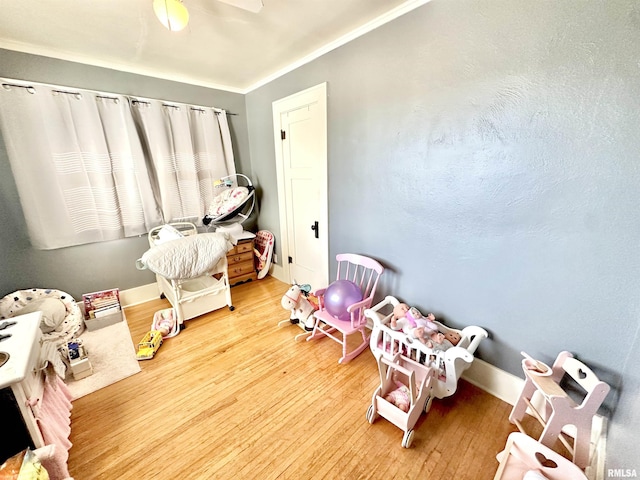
(78, 165)
(189, 148)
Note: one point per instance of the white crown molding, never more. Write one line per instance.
(126, 68)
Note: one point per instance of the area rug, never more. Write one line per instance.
(112, 356)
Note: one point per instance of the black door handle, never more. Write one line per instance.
(314, 227)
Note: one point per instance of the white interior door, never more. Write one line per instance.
(300, 123)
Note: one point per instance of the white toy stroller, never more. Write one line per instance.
(407, 384)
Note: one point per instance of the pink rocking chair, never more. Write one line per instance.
(364, 272)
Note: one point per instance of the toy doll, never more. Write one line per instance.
(164, 321)
(452, 337)
(444, 341)
(399, 397)
(412, 322)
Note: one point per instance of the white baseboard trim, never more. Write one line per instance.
(277, 272)
(498, 383)
(138, 295)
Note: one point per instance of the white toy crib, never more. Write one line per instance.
(190, 268)
(449, 364)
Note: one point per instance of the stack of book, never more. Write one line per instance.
(104, 306)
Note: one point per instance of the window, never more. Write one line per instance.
(92, 167)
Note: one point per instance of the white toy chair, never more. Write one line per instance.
(560, 409)
(364, 272)
(525, 459)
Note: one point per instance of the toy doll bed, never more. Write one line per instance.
(449, 364)
(190, 268)
(62, 320)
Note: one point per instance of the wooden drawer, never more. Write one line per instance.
(241, 247)
(238, 269)
(239, 258)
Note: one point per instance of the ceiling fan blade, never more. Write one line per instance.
(251, 5)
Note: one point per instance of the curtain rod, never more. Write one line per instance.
(173, 105)
(7, 82)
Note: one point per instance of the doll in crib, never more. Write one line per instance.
(412, 322)
(444, 341)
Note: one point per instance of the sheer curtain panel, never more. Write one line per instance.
(78, 165)
(189, 148)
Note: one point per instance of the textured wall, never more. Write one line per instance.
(486, 151)
(102, 265)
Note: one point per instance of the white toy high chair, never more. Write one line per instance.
(560, 409)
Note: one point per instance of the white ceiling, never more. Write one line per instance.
(222, 47)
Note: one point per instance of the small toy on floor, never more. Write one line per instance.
(149, 345)
(78, 359)
(165, 322)
(301, 309)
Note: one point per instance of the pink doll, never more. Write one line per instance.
(164, 321)
(412, 322)
(425, 326)
(399, 397)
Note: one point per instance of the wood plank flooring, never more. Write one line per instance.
(235, 397)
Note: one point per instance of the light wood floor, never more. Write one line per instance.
(234, 397)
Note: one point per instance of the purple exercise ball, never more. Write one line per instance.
(340, 295)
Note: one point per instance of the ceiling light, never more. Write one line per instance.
(171, 13)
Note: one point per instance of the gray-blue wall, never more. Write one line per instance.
(486, 151)
(92, 267)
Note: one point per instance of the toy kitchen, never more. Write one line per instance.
(21, 384)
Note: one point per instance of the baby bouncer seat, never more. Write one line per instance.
(263, 252)
(233, 203)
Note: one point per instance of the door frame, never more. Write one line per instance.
(316, 94)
